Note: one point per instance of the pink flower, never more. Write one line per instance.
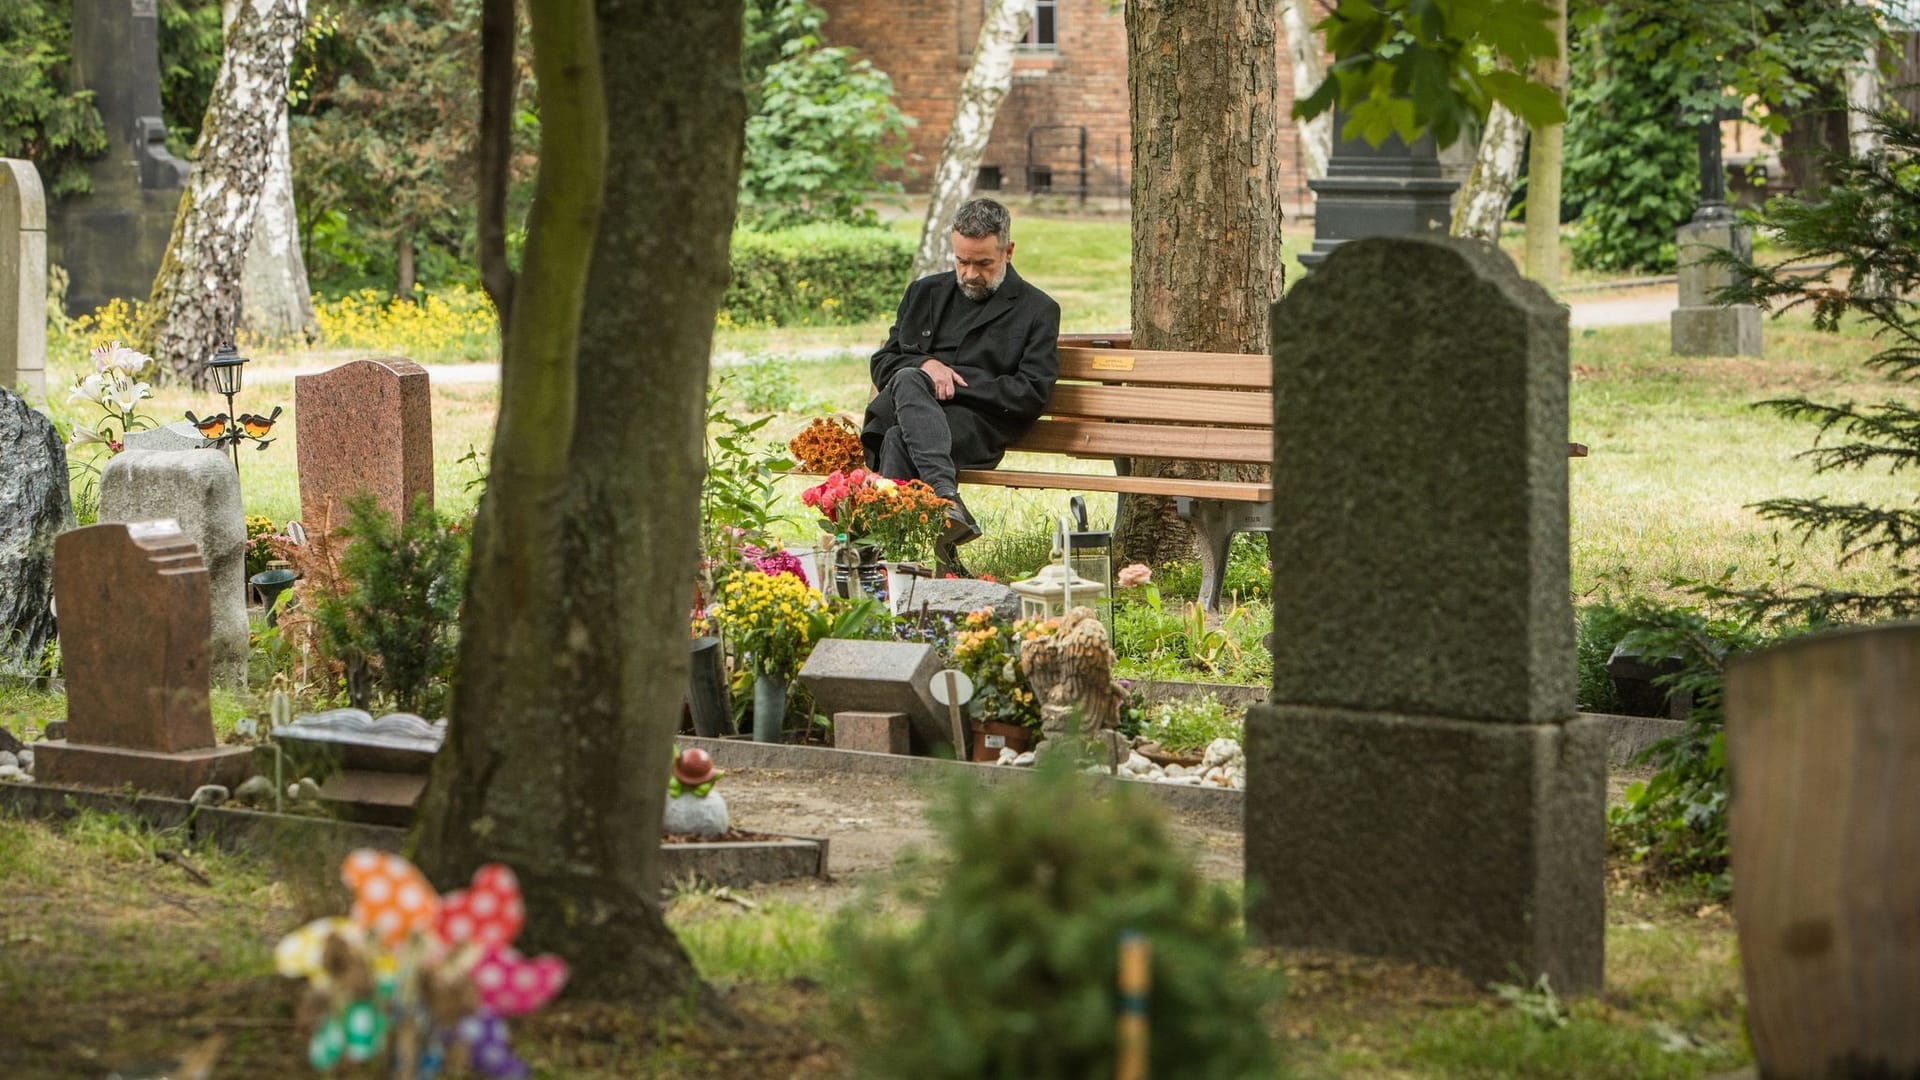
(1137, 574)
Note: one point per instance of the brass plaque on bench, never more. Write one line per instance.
(1113, 363)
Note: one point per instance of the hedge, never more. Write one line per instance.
(816, 275)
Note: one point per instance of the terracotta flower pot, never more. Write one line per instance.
(990, 736)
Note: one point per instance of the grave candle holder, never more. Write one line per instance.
(227, 429)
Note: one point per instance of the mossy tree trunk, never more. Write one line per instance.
(574, 650)
(1206, 219)
(196, 295)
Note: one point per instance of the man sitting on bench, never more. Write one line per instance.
(967, 368)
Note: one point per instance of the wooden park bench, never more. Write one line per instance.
(1115, 402)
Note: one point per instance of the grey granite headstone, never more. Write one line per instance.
(34, 509)
(178, 435)
(879, 676)
(1420, 786)
(955, 597)
(23, 279)
(111, 239)
(1699, 326)
(201, 491)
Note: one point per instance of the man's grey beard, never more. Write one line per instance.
(984, 291)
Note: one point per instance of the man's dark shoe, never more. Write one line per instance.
(961, 528)
(946, 561)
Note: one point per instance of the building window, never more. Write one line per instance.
(1044, 34)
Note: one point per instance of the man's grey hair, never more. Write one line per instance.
(983, 217)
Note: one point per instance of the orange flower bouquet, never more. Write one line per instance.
(901, 519)
(827, 446)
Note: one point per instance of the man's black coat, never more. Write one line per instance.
(1009, 357)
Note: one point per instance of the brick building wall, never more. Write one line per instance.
(925, 46)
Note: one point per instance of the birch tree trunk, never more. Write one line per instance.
(1489, 187)
(276, 301)
(1863, 97)
(196, 295)
(1544, 160)
(981, 93)
(1303, 58)
(1206, 214)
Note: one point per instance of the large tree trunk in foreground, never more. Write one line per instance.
(1303, 59)
(985, 87)
(507, 785)
(1206, 222)
(1482, 206)
(565, 710)
(196, 295)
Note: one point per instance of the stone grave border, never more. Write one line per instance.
(1626, 736)
(260, 833)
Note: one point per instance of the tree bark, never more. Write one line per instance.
(1863, 97)
(571, 677)
(196, 295)
(1482, 206)
(276, 301)
(985, 86)
(403, 266)
(1544, 160)
(1303, 59)
(1206, 218)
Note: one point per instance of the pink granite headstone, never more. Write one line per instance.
(135, 625)
(366, 425)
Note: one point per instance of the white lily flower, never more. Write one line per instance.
(91, 388)
(84, 436)
(117, 357)
(125, 393)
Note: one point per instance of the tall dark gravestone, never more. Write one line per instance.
(1420, 786)
(111, 240)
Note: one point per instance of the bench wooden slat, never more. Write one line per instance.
(1091, 438)
(1228, 490)
(1167, 368)
(1156, 403)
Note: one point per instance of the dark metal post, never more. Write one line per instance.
(1713, 176)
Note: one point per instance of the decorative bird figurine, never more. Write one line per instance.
(256, 425)
(211, 427)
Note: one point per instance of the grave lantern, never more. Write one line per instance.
(1055, 589)
(225, 365)
(1090, 555)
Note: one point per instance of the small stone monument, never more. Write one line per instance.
(366, 425)
(846, 675)
(200, 493)
(34, 509)
(1421, 786)
(179, 435)
(111, 240)
(133, 639)
(23, 279)
(1699, 326)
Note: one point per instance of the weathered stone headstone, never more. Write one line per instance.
(23, 279)
(366, 425)
(200, 492)
(34, 509)
(111, 240)
(1699, 326)
(955, 597)
(179, 435)
(133, 641)
(1420, 786)
(879, 677)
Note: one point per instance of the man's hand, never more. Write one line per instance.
(944, 378)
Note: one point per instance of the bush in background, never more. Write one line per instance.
(815, 275)
(1018, 947)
